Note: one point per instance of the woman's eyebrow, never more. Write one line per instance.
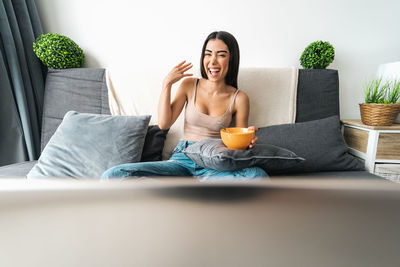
(219, 51)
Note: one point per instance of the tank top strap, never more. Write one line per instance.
(193, 98)
(233, 100)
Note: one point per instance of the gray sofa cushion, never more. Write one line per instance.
(332, 175)
(80, 89)
(317, 94)
(213, 154)
(17, 170)
(86, 145)
(20, 170)
(320, 142)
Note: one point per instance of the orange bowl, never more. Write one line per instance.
(237, 137)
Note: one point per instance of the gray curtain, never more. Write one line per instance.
(21, 82)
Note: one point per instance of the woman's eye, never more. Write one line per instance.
(222, 55)
(207, 54)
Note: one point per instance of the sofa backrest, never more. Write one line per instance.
(85, 90)
(80, 89)
(317, 94)
(262, 105)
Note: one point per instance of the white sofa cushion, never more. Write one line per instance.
(272, 93)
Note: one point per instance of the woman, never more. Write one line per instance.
(210, 101)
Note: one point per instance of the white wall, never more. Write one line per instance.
(140, 41)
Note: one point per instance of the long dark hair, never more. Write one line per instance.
(234, 57)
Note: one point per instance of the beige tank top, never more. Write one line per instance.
(199, 126)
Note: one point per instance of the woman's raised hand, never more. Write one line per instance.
(177, 73)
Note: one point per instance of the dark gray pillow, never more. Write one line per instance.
(317, 94)
(213, 154)
(154, 144)
(85, 145)
(320, 142)
(81, 89)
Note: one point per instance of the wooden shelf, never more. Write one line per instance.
(395, 126)
(374, 144)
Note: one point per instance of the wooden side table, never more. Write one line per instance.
(374, 144)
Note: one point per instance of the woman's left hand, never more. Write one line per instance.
(254, 140)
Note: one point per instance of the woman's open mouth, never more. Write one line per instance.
(214, 72)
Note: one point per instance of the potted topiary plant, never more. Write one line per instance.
(317, 55)
(381, 102)
(58, 52)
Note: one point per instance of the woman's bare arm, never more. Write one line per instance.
(242, 107)
(168, 112)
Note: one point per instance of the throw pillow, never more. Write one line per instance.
(319, 142)
(213, 154)
(85, 145)
(154, 144)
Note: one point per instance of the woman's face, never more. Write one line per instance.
(216, 60)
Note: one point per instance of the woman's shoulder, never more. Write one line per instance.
(189, 81)
(187, 84)
(241, 98)
(240, 94)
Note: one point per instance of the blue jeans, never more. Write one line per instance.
(180, 165)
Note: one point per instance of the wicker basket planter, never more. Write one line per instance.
(379, 114)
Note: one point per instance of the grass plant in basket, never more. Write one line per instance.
(382, 104)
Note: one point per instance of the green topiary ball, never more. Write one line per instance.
(58, 52)
(317, 55)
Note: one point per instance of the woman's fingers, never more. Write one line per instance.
(178, 72)
(184, 68)
(180, 64)
(253, 141)
(255, 138)
(187, 67)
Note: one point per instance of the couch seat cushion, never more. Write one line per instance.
(17, 170)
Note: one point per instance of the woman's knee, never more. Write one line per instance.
(113, 172)
(255, 172)
(121, 171)
(244, 174)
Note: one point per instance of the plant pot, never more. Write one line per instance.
(379, 114)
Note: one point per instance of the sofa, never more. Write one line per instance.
(85, 90)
